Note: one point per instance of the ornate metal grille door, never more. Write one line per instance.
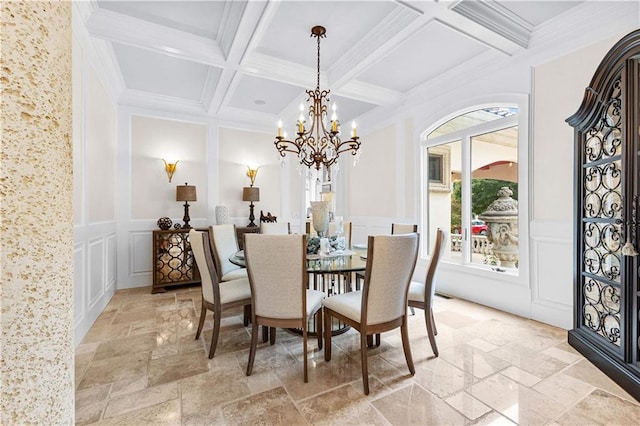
(601, 221)
(607, 185)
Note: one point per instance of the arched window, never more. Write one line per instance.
(466, 162)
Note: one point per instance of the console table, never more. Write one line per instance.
(173, 262)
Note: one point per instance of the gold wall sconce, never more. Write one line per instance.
(252, 173)
(170, 168)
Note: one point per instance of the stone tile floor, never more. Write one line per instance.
(140, 364)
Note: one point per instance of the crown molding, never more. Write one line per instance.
(496, 18)
(144, 99)
(124, 29)
(98, 52)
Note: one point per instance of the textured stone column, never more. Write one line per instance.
(36, 275)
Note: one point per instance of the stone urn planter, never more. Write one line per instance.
(502, 218)
(320, 215)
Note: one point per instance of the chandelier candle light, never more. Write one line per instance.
(316, 145)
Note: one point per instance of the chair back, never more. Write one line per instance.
(274, 228)
(277, 268)
(202, 255)
(224, 242)
(432, 270)
(403, 228)
(391, 261)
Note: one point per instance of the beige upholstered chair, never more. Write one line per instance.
(278, 276)
(382, 303)
(274, 228)
(421, 295)
(216, 296)
(224, 242)
(403, 228)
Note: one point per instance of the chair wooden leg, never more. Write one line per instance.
(272, 335)
(246, 315)
(428, 317)
(216, 333)
(304, 350)
(370, 340)
(327, 336)
(252, 349)
(363, 361)
(413, 311)
(433, 322)
(377, 340)
(203, 314)
(265, 333)
(319, 328)
(404, 330)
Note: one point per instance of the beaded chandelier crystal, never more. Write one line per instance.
(317, 145)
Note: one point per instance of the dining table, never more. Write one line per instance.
(332, 273)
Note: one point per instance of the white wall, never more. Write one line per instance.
(94, 144)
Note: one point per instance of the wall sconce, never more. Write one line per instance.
(170, 168)
(252, 173)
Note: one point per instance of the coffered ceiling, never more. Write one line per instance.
(239, 59)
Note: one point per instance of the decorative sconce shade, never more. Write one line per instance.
(252, 173)
(170, 168)
(186, 193)
(251, 193)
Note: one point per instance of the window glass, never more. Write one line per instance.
(471, 119)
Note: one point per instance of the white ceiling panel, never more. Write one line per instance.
(430, 52)
(346, 22)
(259, 94)
(196, 17)
(534, 13)
(165, 75)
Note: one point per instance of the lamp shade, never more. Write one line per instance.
(186, 193)
(250, 193)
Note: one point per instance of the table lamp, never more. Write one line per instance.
(251, 193)
(186, 193)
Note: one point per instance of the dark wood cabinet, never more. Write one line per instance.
(173, 262)
(606, 229)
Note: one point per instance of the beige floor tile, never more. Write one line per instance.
(90, 404)
(140, 364)
(602, 408)
(115, 369)
(474, 361)
(176, 367)
(520, 376)
(343, 405)
(536, 363)
(468, 405)
(516, 402)
(413, 405)
(141, 399)
(589, 373)
(273, 407)
(202, 393)
(164, 414)
(442, 378)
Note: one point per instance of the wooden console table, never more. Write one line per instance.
(173, 262)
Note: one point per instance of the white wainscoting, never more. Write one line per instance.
(552, 272)
(95, 272)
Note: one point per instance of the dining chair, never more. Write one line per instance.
(396, 228)
(403, 228)
(224, 242)
(421, 295)
(277, 266)
(274, 228)
(216, 296)
(382, 304)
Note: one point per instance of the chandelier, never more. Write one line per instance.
(317, 144)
